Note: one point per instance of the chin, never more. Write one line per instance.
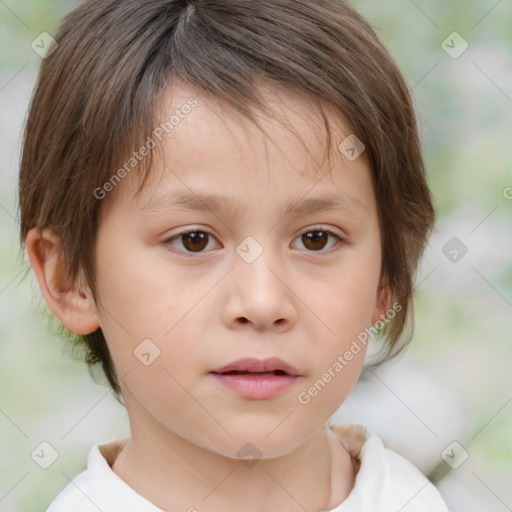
(267, 442)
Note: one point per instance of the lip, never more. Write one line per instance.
(251, 364)
(252, 385)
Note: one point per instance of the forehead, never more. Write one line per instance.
(213, 150)
(292, 121)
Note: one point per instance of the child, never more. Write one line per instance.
(222, 199)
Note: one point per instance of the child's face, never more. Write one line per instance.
(302, 300)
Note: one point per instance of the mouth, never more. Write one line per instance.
(253, 366)
(256, 374)
(256, 379)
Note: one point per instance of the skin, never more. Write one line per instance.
(204, 310)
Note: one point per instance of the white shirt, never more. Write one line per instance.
(385, 482)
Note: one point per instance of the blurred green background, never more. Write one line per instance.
(462, 345)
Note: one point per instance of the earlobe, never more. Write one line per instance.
(74, 306)
(382, 303)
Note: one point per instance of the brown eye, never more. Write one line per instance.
(189, 242)
(195, 241)
(316, 240)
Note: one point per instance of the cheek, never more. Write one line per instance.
(145, 302)
(340, 352)
(129, 296)
(345, 298)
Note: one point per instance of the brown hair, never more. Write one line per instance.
(95, 101)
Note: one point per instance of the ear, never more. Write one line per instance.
(73, 305)
(383, 301)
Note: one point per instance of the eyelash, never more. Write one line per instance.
(167, 242)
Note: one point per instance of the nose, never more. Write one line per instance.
(260, 296)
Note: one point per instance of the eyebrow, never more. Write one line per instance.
(203, 202)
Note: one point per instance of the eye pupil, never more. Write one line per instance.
(315, 242)
(197, 240)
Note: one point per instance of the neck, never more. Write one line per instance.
(175, 474)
